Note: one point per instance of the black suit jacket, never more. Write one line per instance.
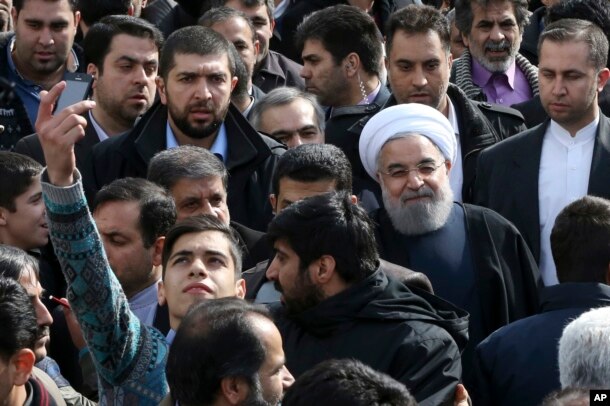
(31, 147)
(250, 162)
(507, 178)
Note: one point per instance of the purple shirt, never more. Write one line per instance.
(506, 88)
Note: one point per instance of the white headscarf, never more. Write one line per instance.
(405, 118)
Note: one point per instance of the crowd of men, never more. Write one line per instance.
(345, 202)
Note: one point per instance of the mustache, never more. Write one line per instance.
(43, 331)
(425, 191)
(497, 46)
(205, 105)
(278, 287)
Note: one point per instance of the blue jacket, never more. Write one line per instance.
(517, 364)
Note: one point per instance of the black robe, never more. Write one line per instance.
(506, 275)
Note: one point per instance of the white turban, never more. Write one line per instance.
(405, 118)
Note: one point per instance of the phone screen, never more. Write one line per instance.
(74, 92)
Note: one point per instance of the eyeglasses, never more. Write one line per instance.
(423, 170)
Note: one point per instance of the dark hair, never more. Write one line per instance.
(464, 14)
(269, 4)
(167, 167)
(344, 29)
(15, 261)
(215, 340)
(17, 318)
(99, 37)
(195, 40)
(222, 14)
(18, 4)
(347, 382)
(569, 29)
(17, 173)
(417, 19)
(91, 12)
(157, 208)
(281, 96)
(329, 224)
(199, 224)
(313, 163)
(596, 11)
(240, 91)
(580, 241)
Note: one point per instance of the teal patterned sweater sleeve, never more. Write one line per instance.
(129, 356)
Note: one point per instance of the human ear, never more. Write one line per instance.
(234, 389)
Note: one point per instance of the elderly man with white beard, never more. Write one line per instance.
(474, 257)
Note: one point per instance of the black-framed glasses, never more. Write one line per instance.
(423, 170)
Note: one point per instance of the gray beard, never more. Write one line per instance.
(421, 217)
(498, 65)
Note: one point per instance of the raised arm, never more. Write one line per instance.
(129, 357)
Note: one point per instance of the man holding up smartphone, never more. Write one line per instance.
(123, 55)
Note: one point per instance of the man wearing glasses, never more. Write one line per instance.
(474, 257)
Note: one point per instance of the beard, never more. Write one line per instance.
(201, 131)
(498, 64)
(420, 217)
(304, 296)
(256, 396)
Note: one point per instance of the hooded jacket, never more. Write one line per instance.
(411, 335)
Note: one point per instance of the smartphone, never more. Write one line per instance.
(78, 87)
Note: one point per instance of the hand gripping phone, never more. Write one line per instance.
(78, 87)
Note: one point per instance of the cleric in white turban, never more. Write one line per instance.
(402, 119)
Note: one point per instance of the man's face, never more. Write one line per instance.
(457, 42)
(322, 76)
(119, 225)
(291, 191)
(262, 24)
(201, 196)
(418, 69)
(292, 280)
(26, 227)
(416, 203)
(273, 376)
(237, 31)
(126, 87)
(494, 37)
(31, 284)
(197, 93)
(199, 267)
(292, 124)
(569, 83)
(44, 32)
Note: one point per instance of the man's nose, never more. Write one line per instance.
(287, 378)
(272, 271)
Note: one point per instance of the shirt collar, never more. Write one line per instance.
(452, 116)
(171, 334)
(481, 76)
(101, 134)
(372, 96)
(145, 297)
(220, 147)
(585, 134)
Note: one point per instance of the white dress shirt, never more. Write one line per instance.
(456, 175)
(565, 165)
